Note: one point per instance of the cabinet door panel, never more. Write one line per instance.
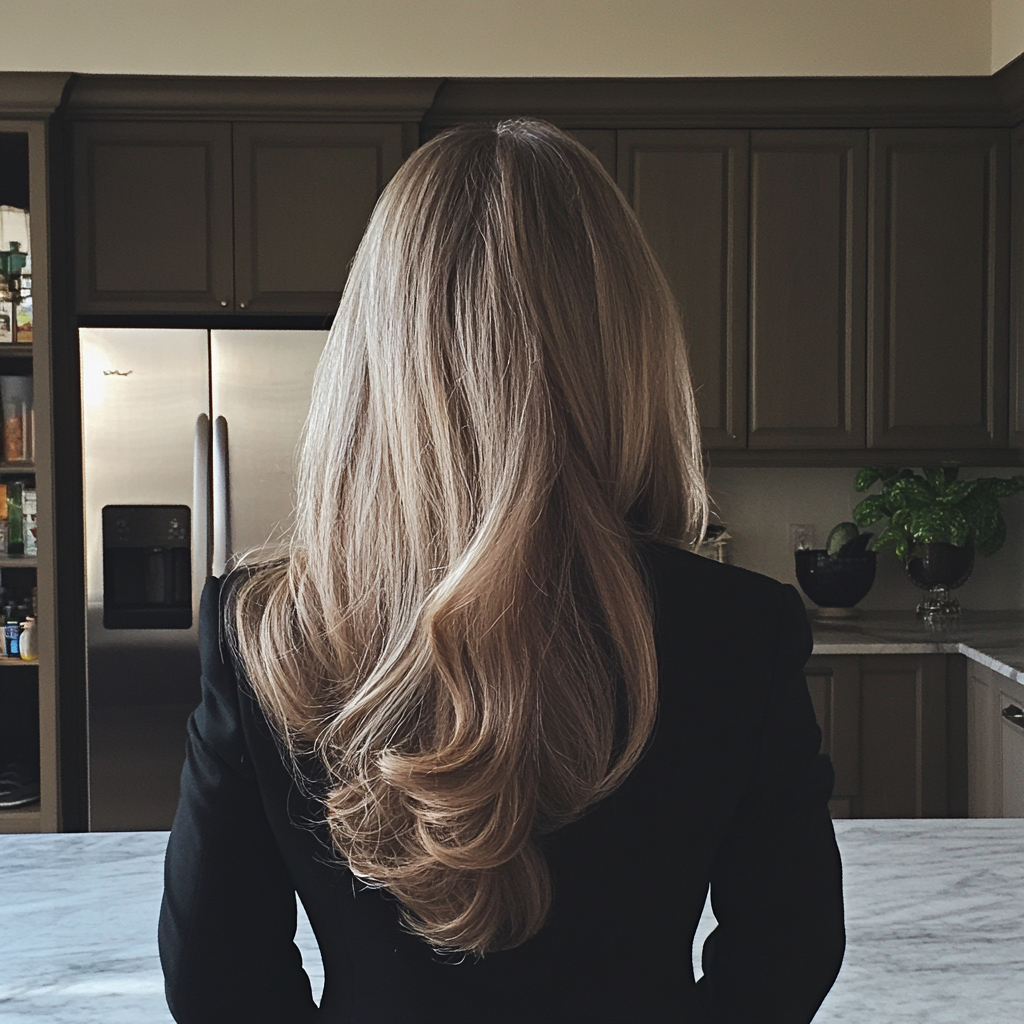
(834, 686)
(938, 288)
(1017, 290)
(808, 218)
(303, 195)
(983, 743)
(152, 217)
(689, 190)
(1012, 765)
(903, 737)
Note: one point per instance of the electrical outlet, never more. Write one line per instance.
(801, 536)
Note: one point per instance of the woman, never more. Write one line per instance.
(489, 718)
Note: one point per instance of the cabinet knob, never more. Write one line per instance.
(241, 305)
(1014, 714)
(223, 302)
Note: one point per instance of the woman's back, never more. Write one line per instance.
(731, 790)
(529, 726)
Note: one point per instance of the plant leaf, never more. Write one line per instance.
(936, 477)
(995, 540)
(870, 510)
(928, 525)
(866, 477)
(910, 492)
(1004, 488)
(957, 491)
(902, 517)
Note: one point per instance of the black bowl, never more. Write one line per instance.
(941, 565)
(834, 582)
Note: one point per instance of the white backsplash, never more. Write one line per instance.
(757, 506)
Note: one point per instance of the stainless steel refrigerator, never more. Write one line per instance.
(189, 438)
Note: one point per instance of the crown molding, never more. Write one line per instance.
(726, 102)
(32, 94)
(942, 101)
(160, 97)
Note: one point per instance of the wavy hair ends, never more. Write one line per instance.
(461, 633)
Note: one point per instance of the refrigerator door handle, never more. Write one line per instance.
(221, 498)
(201, 539)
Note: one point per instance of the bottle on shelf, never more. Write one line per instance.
(29, 525)
(16, 397)
(7, 325)
(12, 630)
(27, 640)
(4, 522)
(15, 532)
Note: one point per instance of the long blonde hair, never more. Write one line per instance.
(461, 632)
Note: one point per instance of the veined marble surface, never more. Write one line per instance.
(994, 638)
(935, 924)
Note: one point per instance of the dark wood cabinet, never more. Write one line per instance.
(894, 728)
(689, 190)
(938, 276)
(1017, 288)
(302, 196)
(213, 217)
(153, 219)
(808, 220)
(843, 290)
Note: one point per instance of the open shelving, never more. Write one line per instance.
(29, 685)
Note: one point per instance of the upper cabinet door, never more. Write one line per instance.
(1017, 291)
(152, 217)
(808, 220)
(689, 190)
(303, 195)
(937, 307)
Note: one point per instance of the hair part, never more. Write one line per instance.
(461, 632)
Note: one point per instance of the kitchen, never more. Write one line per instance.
(737, 142)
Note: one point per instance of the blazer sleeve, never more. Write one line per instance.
(227, 921)
(776, 882)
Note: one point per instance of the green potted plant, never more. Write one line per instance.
(936, 523)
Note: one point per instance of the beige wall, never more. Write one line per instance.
(758, 506)
(512, 37)
(1007, 31)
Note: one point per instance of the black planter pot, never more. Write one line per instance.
(834, 582)
(941, 565)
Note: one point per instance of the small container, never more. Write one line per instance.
(12, 631)
(18, 412)
(6, 320)
(15, 533)
(27, 640)
(29, 524)
(23, 313)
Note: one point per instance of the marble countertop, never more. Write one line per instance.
(992, 638)
(935, 926)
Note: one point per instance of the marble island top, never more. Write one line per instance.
(934, 917)
(991, 638)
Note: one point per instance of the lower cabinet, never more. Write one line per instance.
(995, 726)
(894, 726)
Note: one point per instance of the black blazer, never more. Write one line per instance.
(732, 791)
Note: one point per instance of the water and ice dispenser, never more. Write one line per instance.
(147, 567)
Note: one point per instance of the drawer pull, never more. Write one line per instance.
(1014, 714)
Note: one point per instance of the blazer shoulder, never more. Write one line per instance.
(674, 570)
(726, 607)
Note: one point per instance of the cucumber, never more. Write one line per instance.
(840, 536)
